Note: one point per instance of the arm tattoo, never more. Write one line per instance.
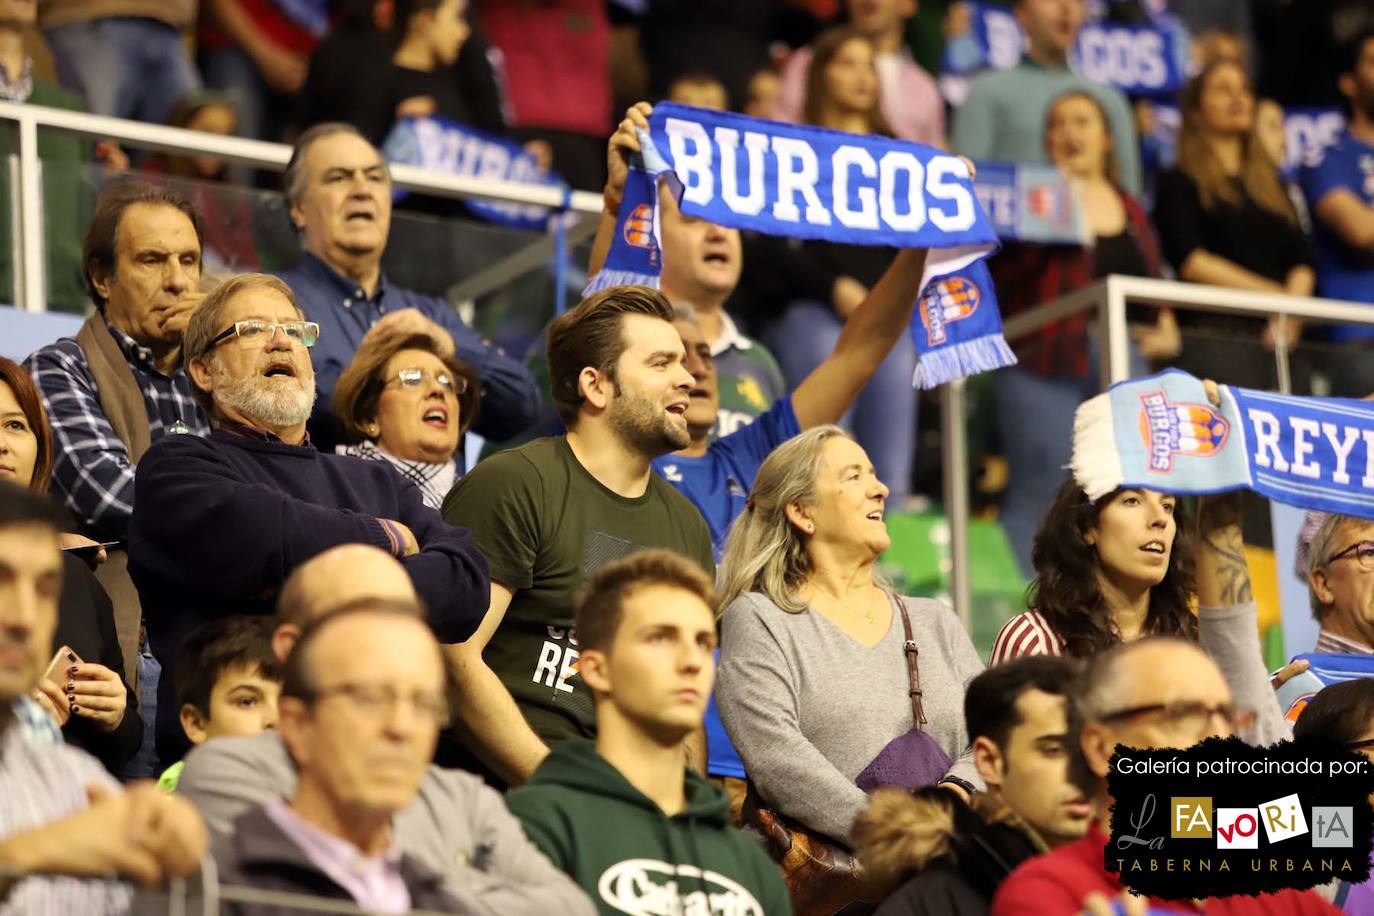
(1224, 548)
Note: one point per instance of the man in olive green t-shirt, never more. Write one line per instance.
(549, 514)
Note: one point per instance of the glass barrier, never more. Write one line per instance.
(430, 248)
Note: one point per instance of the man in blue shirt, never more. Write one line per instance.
(1340, 190)
(339, 191)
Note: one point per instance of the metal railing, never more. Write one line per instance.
(1109, 298)
(27, 203)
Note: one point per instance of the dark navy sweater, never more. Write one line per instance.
(220, 522)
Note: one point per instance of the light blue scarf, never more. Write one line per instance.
(1161, 433)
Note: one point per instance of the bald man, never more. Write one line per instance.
(341, 576)
(1158, 692)
(457, 826)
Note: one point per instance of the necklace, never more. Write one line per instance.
(868, 613)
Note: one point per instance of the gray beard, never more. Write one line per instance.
(641, 425)
(265, 402)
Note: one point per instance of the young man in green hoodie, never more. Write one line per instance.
(626, 818)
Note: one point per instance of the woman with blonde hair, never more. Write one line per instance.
(829, 684)
(1225, 219)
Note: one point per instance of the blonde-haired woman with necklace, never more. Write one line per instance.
(814, 680)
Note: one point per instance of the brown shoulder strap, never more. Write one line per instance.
(121, 399)
(913, 670)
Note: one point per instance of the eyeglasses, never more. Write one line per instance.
(1363, 551)
(258, 332)
(378, 700)
(1190, 717)
(412, 378)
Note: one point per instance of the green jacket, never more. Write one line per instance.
(629, 856)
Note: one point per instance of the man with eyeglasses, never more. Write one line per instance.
(456, 825)
(360, 728)
(220, 522)
(1157, 692)
(1340, 580)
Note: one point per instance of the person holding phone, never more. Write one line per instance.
(89, 700)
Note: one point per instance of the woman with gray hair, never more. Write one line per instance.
(830, 684)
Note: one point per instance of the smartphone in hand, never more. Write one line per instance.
(62, 659)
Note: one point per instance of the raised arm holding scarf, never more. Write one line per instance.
(809, 182)
(1161, 433)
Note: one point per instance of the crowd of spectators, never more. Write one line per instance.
(242, 552)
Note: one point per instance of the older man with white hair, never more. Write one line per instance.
(1339, 568)
(226, 518)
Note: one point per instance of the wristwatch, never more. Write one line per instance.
(961, 783)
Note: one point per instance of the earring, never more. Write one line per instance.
(810, 528)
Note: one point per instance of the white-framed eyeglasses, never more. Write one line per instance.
(255, 330)
(414, 378)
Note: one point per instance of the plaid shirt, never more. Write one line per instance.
(40, 783)
(1026, 275)
(91, 468)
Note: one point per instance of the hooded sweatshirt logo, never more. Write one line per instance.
(648, 887)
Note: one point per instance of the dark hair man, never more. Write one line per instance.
(626, 817)
(1157, 692)
(226, 518)
(550, 513)
(339, 191)
(119, 385)
(456, 825)
(61, 813)
(950, 853)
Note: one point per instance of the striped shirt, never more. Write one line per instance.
(1330, 642)
(41, 783)
(91, 471)
(1027, 633)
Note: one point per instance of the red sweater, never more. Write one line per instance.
(1057, 882)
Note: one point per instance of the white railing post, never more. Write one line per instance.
(34, 295)
(955, 453)
(1115, 357)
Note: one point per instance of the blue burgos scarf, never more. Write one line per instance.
(1161, 433)
(813, 183)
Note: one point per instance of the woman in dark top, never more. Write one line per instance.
(820, 283)
(1225, 219)
(1056, 367)
(429, 62)
(90, 700)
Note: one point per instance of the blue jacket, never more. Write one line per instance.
(510, 398)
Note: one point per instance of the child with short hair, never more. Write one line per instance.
(230, 680)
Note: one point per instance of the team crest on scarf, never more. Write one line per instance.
(944, 301)
(1171, 429)
(639, 228)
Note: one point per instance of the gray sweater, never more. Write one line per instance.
(808, 707)
(458, 827)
